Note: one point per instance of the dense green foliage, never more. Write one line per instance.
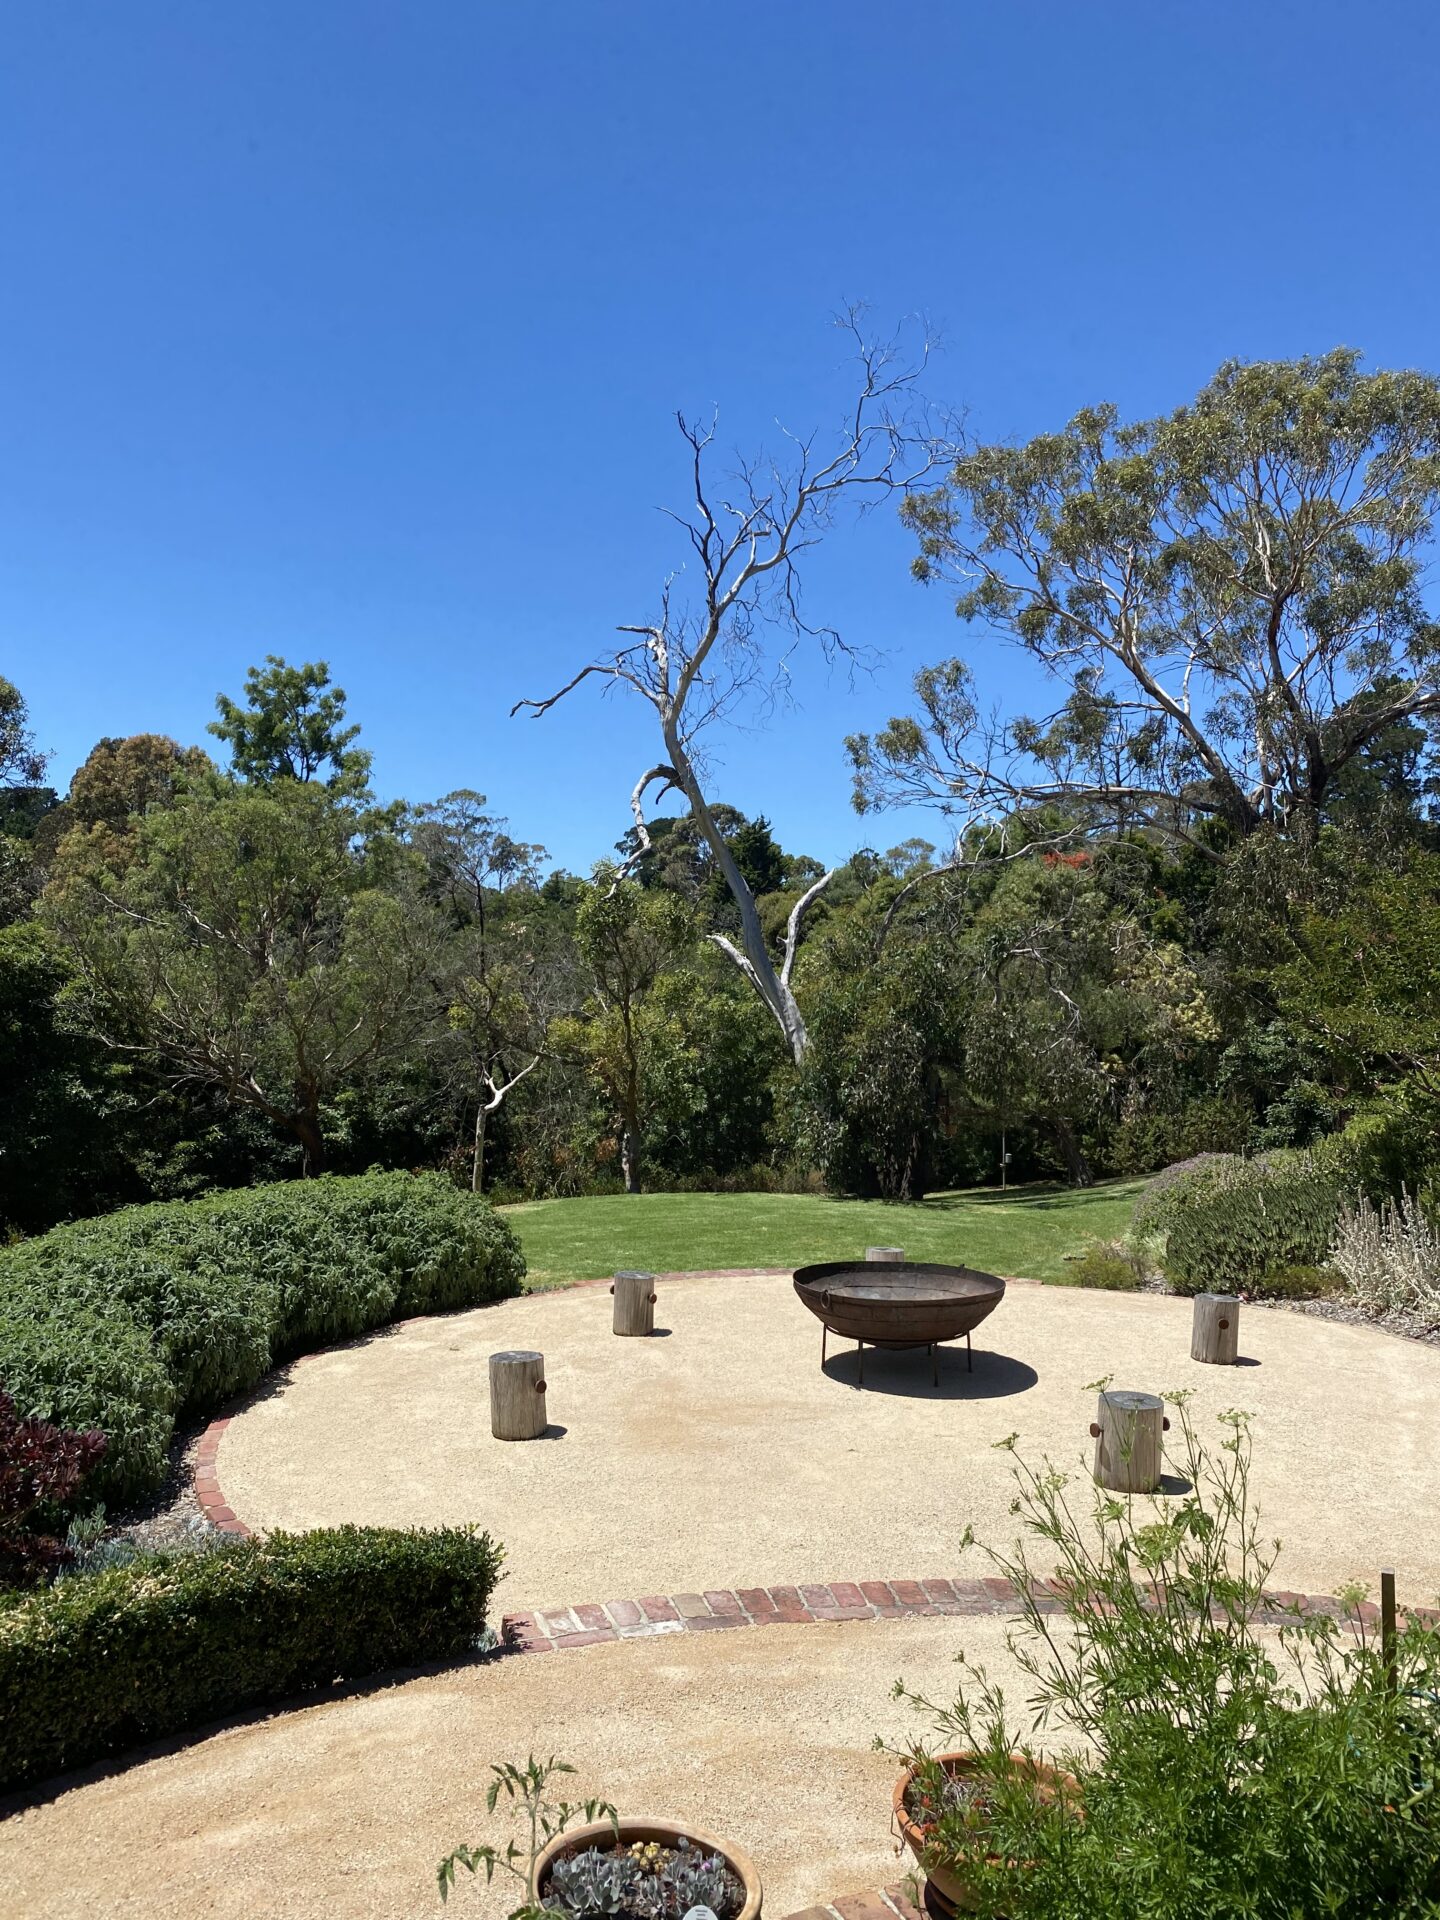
(1232, 1223)
(1192, 910)
(128, 1322)
(1225, 1773)
(102, 1661)
(1266, 543)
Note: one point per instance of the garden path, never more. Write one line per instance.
(762, 1737)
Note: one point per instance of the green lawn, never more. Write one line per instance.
(1026, 1231)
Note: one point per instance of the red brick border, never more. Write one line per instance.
(590, 1623)
(889, 1903)
(207, 1484)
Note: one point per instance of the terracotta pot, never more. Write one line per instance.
(602, 1834)
(949, 1889)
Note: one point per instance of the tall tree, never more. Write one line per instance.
(505, 986)
(695, 662)
(471, 854)
(22, 801)
(292, 729)
(253, 945)
(628, 936)
(21, 762)
(118, 783)
(1232, 596)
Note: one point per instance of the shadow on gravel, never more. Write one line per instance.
(996, 1376)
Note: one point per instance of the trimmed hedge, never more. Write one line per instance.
(132, 1320)
(106, 1660)
(1231, 1223)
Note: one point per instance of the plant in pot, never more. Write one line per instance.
(950, 1809)
(1223, 1754)
(608, 1867)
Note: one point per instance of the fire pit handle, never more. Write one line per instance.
(1094, 1431)
(825, 1299)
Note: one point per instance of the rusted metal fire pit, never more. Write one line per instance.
(897, 1307)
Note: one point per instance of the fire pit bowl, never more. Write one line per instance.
(895, 1307)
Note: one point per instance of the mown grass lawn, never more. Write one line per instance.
(1028, 1230)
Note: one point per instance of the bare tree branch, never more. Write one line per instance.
(696, 662)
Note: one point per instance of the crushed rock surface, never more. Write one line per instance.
(718, 1454)
(761, 1736)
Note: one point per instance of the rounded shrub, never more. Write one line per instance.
(1108, 1266)
(1231, 1224)
(104, 1660)
(132, 1320)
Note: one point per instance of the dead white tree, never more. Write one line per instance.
(702, 656)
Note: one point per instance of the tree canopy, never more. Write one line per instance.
(292, 729)
(1232, 598)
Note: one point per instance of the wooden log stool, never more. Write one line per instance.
(1127, 1433)
(1215, 1330)
(517, 1396)
(890, 1256)
(634, 1303)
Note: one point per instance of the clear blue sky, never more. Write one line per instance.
(354, 330)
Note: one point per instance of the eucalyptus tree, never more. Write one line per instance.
(702, 656)
(264, 943)
(506, 979)
(21, 762)
(293, 729)
(1231, 598)
(22, 768)
(629, 936)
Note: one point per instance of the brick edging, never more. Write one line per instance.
(207, 1484)
(590, 1623)
(886, 1903)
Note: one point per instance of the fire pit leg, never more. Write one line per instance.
(860, 1356)
(824, 1336)
(969, 1356)
(934, 1364)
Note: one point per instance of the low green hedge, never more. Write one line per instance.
(1231, 1223)
(105, 1660)
(131, 1320)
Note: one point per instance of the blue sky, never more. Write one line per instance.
(355, 331)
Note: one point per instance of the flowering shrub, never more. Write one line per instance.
(1234, 1758)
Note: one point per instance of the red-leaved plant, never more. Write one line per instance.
(41, 1467)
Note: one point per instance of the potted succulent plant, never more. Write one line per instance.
(645, 1870)
(944, 1806)
(608, 1868)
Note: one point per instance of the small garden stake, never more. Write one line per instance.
(1387, 1624)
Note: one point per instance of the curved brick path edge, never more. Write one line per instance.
(590, 1623)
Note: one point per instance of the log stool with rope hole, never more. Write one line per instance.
(517, 1396)
(634, 1303)
(1215, 1331)
(1128, 1445)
